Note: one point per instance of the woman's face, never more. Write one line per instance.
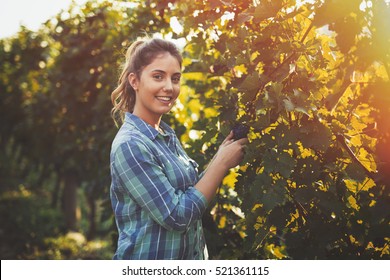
(157, 88)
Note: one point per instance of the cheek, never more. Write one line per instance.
(177, 89)
(147, 90)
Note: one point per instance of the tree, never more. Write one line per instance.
(307, 79)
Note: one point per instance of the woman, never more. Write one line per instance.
(157, 196)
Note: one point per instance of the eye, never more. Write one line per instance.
(158, 76)
(176, 79)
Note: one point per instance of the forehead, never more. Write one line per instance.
(164, 62)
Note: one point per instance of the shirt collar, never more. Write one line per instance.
(145, 128)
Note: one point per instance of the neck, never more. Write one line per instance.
(153, 120)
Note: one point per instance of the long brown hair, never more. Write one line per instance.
(140, 54)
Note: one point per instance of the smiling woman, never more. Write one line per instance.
(157, 196)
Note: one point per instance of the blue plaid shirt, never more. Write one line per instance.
(157, 209)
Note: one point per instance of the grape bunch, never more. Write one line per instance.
(240, 131)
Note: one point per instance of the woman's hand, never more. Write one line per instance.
(229, 155)
(231, 152)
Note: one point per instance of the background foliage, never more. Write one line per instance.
(311, 79)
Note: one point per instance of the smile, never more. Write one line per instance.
(164, 98)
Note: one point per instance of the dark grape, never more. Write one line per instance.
(240, 131)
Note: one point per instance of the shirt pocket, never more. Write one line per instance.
(191, 168)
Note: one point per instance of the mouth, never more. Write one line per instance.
(165, 99)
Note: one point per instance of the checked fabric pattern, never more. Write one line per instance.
(157, 209)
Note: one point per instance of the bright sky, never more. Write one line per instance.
(30, 13)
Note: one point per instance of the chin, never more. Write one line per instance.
(162, 111)
(165, 109)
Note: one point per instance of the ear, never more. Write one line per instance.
(133, 81)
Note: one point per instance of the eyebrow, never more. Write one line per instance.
(163, 72)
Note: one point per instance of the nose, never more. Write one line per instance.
(168, 87)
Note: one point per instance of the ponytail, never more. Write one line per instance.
(123, 97)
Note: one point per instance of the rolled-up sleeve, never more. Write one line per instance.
(140, 174)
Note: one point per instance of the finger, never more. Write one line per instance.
(229, 141)
(228, 138)
(243, 141)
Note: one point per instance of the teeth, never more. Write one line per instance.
(164, 98)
